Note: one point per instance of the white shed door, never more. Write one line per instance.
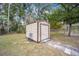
(43, 32)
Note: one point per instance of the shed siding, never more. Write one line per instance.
(43, 30)
(38, 31)
(31, 31)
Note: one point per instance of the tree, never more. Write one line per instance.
(12, 11)
(70, 14)
(40, 10)
(3, 20)
(8, 15)
(55, 19)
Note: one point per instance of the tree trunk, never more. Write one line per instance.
(8, 16)
(69, 30)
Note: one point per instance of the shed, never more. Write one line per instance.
(38, 31)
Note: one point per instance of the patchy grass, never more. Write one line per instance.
(17, 44)
(60, 37)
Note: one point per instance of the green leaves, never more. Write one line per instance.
(70, 13)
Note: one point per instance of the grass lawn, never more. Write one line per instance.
(17, 44)
(60, 37)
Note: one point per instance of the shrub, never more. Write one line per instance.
(55, 25)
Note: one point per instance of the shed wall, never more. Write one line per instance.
(31, 31)
(43, 31)
(38, 31)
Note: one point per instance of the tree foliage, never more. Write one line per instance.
(21, 13)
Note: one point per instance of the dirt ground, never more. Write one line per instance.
(18, 45)
(60, 37)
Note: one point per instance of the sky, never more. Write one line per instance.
(55, 5)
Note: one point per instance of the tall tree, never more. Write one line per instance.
(8, 16)
(54, 19)
(70, 14)
(40, 10)
(3, 19)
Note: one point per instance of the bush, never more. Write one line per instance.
(2, 30)
(55, 25)
(18, 28)
(21, 29)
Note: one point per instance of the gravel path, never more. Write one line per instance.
(73, 51)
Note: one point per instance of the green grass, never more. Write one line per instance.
(18, 45)
(60, 37)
